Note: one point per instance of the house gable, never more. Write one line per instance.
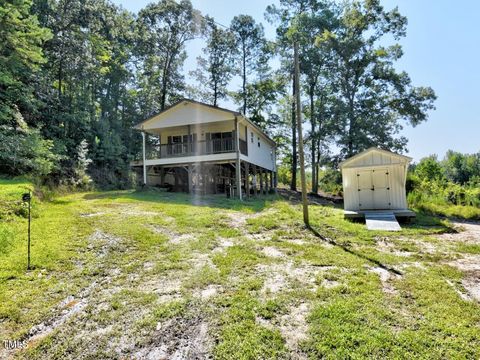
(375, 157)
(186, 112)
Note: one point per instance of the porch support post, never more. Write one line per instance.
(162, 176)
(254, 180)
(266, 182)
(238, 169)
(271, 180)
(247, 180)
(144, 158)
(261, 181)
(189, 143)
(190, 178)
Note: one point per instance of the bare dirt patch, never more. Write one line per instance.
(208, 292)
(294, 329)
(102, 243)
(271, 251)
(386, 278)
(180, 339)
(288, 275)
(174, 238)
(467, 232)
(470, 266)
(383, 245)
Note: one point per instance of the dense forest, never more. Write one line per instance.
(76, 75)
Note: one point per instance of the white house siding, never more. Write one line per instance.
(376, 160)
(199, 129)
(263, 156)
(185, 114)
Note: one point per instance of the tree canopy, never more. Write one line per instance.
(76, 75)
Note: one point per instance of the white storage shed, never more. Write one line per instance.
(375, 180)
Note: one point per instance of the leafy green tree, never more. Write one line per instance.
(251, 46)
(216, 67)
(461, 168)
(24, 151)
(375, 97)
(429, 169)
(163, 28)
(21, 54)
(22, 147)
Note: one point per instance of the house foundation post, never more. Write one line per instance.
(144, 159)
(254, 182)
(190, 179)
(261, 181)
(266, 182)
(162, 176)
(238, 167)
(247, 179)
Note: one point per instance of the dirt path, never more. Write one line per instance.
(468, 234)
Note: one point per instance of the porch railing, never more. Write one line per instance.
(203, 147)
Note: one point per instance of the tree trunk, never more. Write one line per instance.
(293, 184)
(313, 136)
(244, 83)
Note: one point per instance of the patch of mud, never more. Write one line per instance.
(178, 339)
(385, 278)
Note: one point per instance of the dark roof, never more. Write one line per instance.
(236, 113)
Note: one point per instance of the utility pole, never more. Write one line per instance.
(300, 135)
(27, 197)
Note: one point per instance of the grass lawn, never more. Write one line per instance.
(156, 275)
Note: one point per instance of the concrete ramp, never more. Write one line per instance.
(385, 221)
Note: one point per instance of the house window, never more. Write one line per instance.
(258, 139)
(251, 137)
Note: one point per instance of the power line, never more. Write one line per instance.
(201, 15)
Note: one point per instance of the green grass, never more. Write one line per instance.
(154, 268)
(454, 211)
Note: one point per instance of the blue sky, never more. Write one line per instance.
(442, 50)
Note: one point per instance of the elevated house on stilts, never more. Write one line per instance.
(198, 148)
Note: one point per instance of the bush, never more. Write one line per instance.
(331, 181)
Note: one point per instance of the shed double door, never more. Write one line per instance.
(373, 189)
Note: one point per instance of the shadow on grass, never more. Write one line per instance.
(353, 252)
(213, 201)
